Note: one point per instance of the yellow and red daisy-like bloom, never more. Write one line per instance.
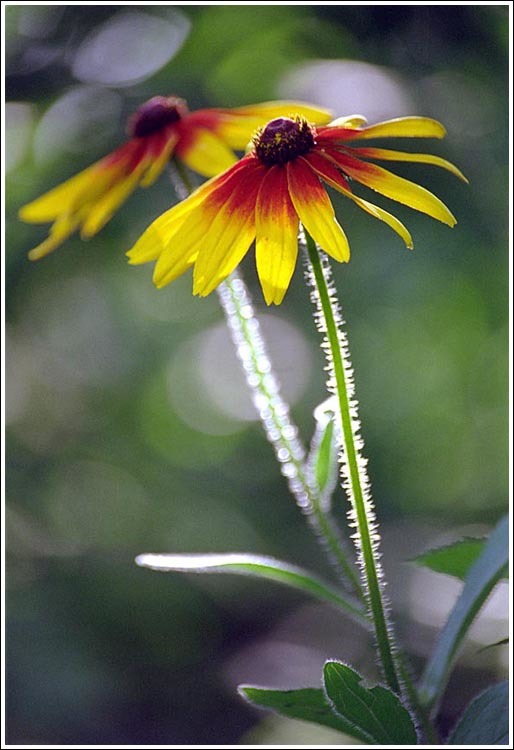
(279, 184)
(161, 128)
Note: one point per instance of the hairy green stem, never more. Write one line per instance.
(276, 420)
(429, 733)
(356, 482)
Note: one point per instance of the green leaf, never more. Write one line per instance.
(501, 642)
(257, 566)
(322, 461)
(483, 575)
(486, 720)
(376, 712)
(308, 704)
(453, 559)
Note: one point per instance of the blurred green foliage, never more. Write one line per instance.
(103, 461)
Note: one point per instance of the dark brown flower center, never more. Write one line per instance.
(284, 139)
(155, 114)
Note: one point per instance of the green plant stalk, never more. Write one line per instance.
(273, 411)
(355, 485)
(414, 702)
(275, 418)
(400, 674)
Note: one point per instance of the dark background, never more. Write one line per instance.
(123, 436)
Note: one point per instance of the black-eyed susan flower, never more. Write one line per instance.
(163, 127)
(276, 186)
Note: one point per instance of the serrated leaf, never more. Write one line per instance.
(376, 712)
(486, 719)
(453, 559)
(483, 575)
(308, 704)
(258, 566)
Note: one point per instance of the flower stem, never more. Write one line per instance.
(274, 412)
(427, 730)
(180, 179)
(276, 420)
(356, 482)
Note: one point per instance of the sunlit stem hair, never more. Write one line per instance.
(273, 410)
(340, 382)
(276, 420)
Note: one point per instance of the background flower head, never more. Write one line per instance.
(163, 127)
(275, 187)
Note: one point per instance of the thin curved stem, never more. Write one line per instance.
(412, 696)
(180, 179)
(275, 417)
(353, 465)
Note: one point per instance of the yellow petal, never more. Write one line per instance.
(232, 231)
(148, 247)
(195, 223)
(394, 187)
(389, 155)
(404, 127)
(105, 207)
(82, 187)
(206, 153)
(236, 126)
(158, 235)
(158, 163)
(220, 255)
(276, 243)
(379, 213)
(168, 269)
(269, 110)
(350, 121)
(315, 210)
(226, 244)
(181, 251)
(328, 172)
(181, 232)
(60, 231)
(161, 232)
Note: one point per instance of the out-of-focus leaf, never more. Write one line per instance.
(308, 704)
(373, 712)
(486, 719)
(257, 566)
(501, 642)
(322, 459)
(453, 559)
(483, 575)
